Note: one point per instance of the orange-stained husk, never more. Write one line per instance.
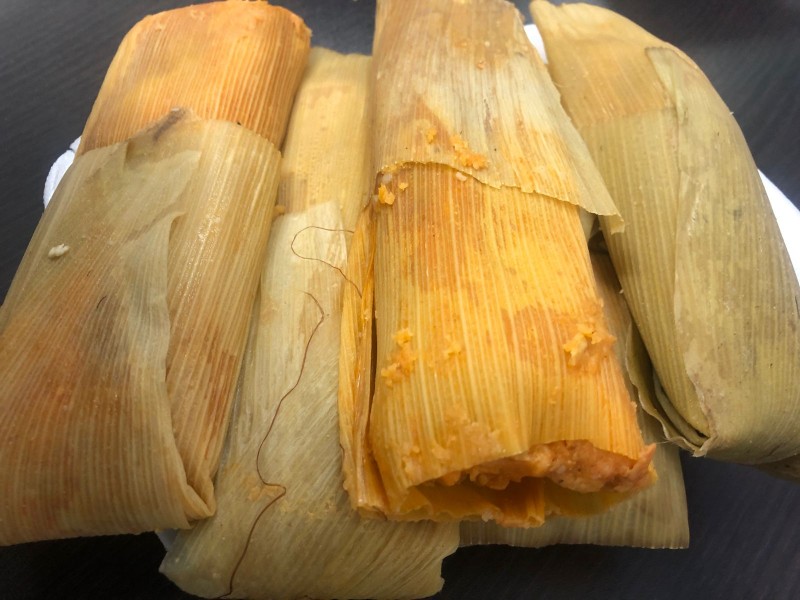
(493, 392)
(655, 518)
(496, 391)
(233, 61)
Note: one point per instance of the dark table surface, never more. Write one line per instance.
(745, 525)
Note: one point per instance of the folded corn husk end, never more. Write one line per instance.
(754, 356)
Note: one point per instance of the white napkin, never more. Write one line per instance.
(57, 171)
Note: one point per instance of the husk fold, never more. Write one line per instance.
(702, 263)
(288, 527)
(491, 129)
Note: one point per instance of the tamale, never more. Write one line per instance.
(496, 395)
(288, 527)
(234, 61)
(225, 215)
(705, 273)
(656, 518)
(88, 441)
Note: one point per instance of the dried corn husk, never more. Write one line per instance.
(233, 61)
(85, 334)
(656, 518)
(491, 129)
(327, 157)
(288, 528)
(175, 59)
(701, 260)
(496, 393)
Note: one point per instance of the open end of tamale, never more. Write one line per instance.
(655, 518)
(573, 464)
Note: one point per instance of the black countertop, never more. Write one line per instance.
(745, 525)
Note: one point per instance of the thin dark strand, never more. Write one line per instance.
(261, 447)
(291, 389)
(249, 539)
(346, 278)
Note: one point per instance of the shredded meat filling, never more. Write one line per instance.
(575, 464)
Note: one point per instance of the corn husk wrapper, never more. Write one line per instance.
(655, 518)
(701, 261)
(232, 61)
(327, 158)
(496, 395)
(284, 516)
(491, 130)
(175, 59)
(85, 333)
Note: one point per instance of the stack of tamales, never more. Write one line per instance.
(124, 328)
(429, 353)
